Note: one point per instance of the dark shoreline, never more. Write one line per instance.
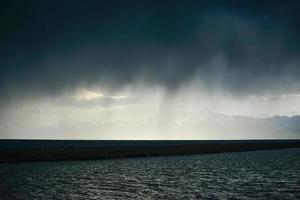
(46, 150)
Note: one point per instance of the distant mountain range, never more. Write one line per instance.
(276, 126)
(211, 125)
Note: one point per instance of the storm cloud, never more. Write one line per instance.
(142, 69)
(243, 47)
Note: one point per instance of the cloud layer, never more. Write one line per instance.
(242, 48)
(145, 68)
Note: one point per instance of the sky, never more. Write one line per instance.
(142, 69)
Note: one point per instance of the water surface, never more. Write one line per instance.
(244, 175)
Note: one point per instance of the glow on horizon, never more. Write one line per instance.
(153, 113)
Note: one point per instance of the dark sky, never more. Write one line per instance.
(244, 47)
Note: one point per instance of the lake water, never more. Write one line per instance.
(243, 175)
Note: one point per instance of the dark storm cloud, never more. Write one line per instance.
(239, 46)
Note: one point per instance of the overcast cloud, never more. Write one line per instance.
(229, 57)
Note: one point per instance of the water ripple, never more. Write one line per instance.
(248, 175)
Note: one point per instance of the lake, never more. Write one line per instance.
(241, 175)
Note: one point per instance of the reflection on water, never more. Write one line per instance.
(246, 175)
